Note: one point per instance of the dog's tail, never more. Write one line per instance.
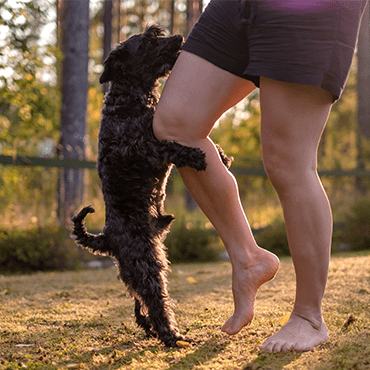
(96, 244)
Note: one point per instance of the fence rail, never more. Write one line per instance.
(46, 162)
(76, 163)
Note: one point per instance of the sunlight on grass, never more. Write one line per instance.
(85, 320)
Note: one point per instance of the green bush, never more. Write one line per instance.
(274, 239)
(357, 230)
(50, 248)
(192, 245)
(37, 249)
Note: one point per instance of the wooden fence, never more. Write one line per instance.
(75, 163)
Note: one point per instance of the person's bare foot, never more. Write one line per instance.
(298, 335)
(246, 279)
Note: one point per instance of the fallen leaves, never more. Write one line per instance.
(284, 319)
(191, 280)
(72, 366)
(182, 344)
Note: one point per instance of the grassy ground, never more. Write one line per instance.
(84, 320)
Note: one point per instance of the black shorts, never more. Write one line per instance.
(310, 42)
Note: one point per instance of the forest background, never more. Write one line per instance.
(36, 39)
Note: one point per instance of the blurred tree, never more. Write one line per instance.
(30, 102)
(28, 97)
(74, 24)
(363, 74)
(29, 107)
(194, 9)
(172, 16)
(117, 21)
(107, 40)
(363, 93)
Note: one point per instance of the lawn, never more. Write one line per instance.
(84, 320)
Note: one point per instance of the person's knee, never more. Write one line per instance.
(282, 169)
(160, 128)
(276, 173)
(173, 124)
(167, 124)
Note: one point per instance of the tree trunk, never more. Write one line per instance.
(363, 74)
(107, 41)
(194, 10)
(363, 95)
(74, 17)
(189, 16)
(200, 6)
(172, 16)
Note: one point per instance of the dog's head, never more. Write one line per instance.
(146, 56)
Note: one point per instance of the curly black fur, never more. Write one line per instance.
(133, 167)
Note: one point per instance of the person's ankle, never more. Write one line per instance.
(241, 256)
(315, 319)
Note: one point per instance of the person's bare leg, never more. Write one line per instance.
(292, 120)
(195, 96)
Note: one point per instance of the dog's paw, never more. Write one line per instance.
(224, 158)
(191, 157)
(198, 160)
(176, 341)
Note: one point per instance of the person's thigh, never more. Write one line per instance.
(293, 117)
(196, 94)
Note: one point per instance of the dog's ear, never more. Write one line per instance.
(117, 58)
(107, 74)
(154, 31)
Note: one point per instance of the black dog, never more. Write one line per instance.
(133, 168)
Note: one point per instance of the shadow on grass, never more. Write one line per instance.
(210, 349)
(271, 361)
(350, 350)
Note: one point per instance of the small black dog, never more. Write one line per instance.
(133, 167)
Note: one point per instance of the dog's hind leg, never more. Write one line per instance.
(161, 224)
(142, 319)
(154, 293)
(146, 275)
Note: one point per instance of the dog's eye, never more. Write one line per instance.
(152, 43)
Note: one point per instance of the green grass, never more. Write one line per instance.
(84, 320)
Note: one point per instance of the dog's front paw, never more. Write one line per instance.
(198, 160)
(224, 158)
(176, 340)
(191, 157)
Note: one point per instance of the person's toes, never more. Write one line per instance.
(268, 346)
(233, 329)
(227, 324)
(274, 347)
(301, 347)
(237, 324)
(286, 347)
